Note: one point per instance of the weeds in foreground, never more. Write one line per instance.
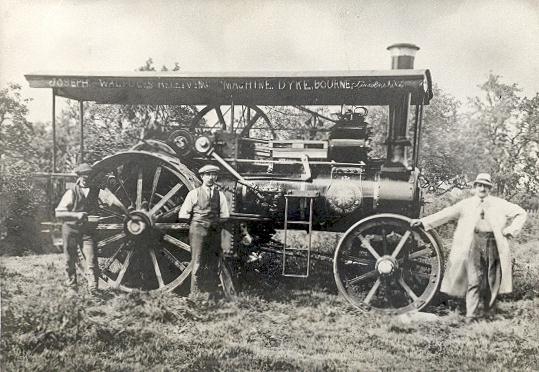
(295, 326)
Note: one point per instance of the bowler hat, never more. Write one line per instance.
(484, 179)
(208, 169)
(83, 168)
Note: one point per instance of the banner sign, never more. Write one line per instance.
(256, 90)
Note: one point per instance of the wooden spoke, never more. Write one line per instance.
(125, 265)
(419, 263)
(172, 226)
(156, 176)
(115, 171)
(109, 226)
(139, 189)
(111, 239)
(384, 242)
(251, 122)
(110, 212)
(372, 292)
(357, 279)
(165, 198)
(173, 259)
(401, 244)
(171, 212)
(179, 280)
(367, 245)
(176, 242)
(111, 198)
(220, 116)
(111, 259)
(408, 290)
(107, 217)
(360, 261)
(156, 268)
(421, 253)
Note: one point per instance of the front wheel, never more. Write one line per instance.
(382, 264)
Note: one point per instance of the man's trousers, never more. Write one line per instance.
(483, 274)
(208, 265)
(72, 239)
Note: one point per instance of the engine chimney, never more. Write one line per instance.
(402, 57)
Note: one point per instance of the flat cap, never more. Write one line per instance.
(83, 168)
(209, 169)
(484, 179)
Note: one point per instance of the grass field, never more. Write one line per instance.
(281, 326)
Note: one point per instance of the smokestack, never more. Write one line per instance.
(402, 55)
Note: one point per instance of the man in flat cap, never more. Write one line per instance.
(206, 207)
(73, 209)
(479, 265)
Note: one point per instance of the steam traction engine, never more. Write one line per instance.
(329, 184)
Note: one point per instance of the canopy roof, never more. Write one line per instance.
(249, 88)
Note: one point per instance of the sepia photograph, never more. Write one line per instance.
(302, 185)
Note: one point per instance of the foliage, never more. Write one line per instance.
(20, 201)
(294, 123)
(15, 130)
(506, 126)
(445, 145)
(19, 158)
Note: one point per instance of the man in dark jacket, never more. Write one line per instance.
(73, 211)
(206, 207)
(77, 202)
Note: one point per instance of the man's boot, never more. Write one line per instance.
(91, 277)
(71, 281)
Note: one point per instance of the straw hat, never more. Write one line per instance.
(484, 179)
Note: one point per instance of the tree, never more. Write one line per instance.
(15, 130)
(506, 126)
(445, 141)
(19, 199)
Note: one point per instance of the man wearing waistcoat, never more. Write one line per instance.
(206, 207)
(73, 211)
(479, 265)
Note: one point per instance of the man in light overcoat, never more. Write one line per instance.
(479, 266)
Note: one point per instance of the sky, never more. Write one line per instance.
(461, 41)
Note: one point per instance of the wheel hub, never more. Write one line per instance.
(138, 223)
(386, 265)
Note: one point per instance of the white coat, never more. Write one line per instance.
(498, 213)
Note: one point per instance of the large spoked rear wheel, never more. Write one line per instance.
(143, 247)
(381, 264)
(246, 121)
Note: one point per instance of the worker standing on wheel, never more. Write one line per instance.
(74, 207)
(206, 207)
(479, 264)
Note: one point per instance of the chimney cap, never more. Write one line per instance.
(403, 45)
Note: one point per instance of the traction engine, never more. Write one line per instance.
(271, 182)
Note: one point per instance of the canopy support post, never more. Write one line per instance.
(419, 121)
(54, 131)
(81, 107)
